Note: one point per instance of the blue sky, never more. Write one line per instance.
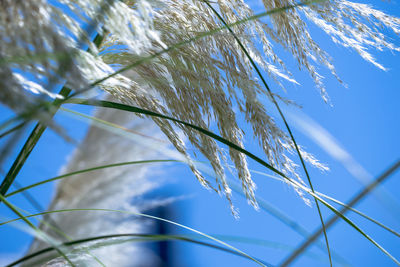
(363, 120)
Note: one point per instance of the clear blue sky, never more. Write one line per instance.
(364, 119)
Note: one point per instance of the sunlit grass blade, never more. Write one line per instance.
(264, 82)
(89, 170)
(352, 202)
(285, 219)
(345, 206)
(13, 129)
(53, 226)
(273, 245)
(129, 238)
(146, 216)
(324, 139)
(360, 213)
(37, 230)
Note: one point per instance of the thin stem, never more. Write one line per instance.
(357, 198)
(134, 237)
(31, 225)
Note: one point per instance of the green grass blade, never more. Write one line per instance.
(285, 219)
(133, 238)
(89, 170)
(345, 206)
(354, 200)
(360, 213)
(24, 218)
(146, 216)
(13, 129)
(53, 226)
(342, 216)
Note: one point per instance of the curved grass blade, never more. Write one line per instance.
(285, 219)
(89, 170)
(359, 213)
(351, 223)
(24, 218)
(134, 238)
(114, 105)
(352, 202)
(150, 217)
(53, 226)
(345, 206)
(263, 80)
(13, 129)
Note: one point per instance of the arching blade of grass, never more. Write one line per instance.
(134, 109)
(351, 203)
(13, 129)
(285, 219)
(129, 238)
(146, 216)
(53, 226)
(347, 220)
(273, 245)
(89, 170)
(345, 206)
(271, 95)
(37, 230)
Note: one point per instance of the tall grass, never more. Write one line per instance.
(187, 66)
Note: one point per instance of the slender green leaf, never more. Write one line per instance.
(146, 216)
(89, 170)
(24, 218)
(134, 238)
